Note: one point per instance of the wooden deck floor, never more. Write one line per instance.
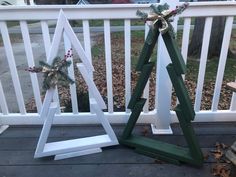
(17, 146)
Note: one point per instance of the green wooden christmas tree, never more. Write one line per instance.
(184, 110)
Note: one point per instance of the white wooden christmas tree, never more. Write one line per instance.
(80, 146)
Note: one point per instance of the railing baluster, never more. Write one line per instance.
(46, 36)
(222, 62)
(30, 60)
(107, 38)
(203, 61)
(71, 73)
(127, 64)
(233, 102)
(12, 66)
(87, 47)
(3, 103)
(185, 38)
(47, 46)
(146, 89)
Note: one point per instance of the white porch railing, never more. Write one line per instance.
(161, 116)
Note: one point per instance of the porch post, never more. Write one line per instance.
(163, 84)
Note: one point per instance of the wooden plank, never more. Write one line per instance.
(106, 170)
(148, 47)
(174, 53)
(231, 86)
(46, 36)
(127, 64)
(3, 128)
(47, 46)
(203, 61)
(141, 83)
(146, 89)
(12, 66)
(201, 129)
(233, 102)
(77, 153)
(181, 92)
(222, 62)
(87, 48)
(107, 39)
(133, 118)
(71, 73)
(154, 148)
(115, 155)
(189, 134)
(185, 38)
(106, 125)
(30, 60)
(46, 129)
(3, 103)
(205, 141)
(91, 85)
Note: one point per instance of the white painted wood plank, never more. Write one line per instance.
(76, 144)
(222, 62)
(49, 96)
(233, 102)
(3, 103)
(91, 85)
(203, 61)
(3, 128)
(46, 128)
(114, 118)
(107, 39)
(127, 64)
(78, 153)
(87, 47)
(71, 73)
(185, 38)
(185, 43)
(12, 66)
(30, 60)
(75, 41)
(47, 46)
(87, 41)
(46, 37)
(146, 89)
(106, 125)
(119, 11)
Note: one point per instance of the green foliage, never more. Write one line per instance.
(160, 8)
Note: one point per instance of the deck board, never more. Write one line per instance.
(18, 143)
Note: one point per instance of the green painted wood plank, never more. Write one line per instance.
(181, 92)
(189, 135)
(159, 157)
(174, 53)
(141, 83)
(133, 118)
(148, 47)
(161, 148)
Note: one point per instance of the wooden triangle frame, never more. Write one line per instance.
(81, 146)
(184, 110)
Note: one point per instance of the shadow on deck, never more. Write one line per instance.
(18, 143)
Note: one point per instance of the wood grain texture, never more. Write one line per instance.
(19, 142)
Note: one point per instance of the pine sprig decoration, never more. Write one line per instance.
(56, 73)
(142, 15)
(161, 15)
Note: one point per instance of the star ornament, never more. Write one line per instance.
(162, 16)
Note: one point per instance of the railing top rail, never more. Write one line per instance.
(204, 9)
(120, 11)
